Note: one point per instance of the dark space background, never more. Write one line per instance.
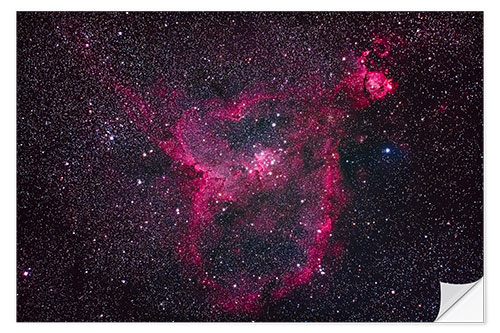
(93, 222)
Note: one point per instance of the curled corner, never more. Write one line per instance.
(459, 299)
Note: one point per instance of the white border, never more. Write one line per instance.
(258, 5)
(8, 139)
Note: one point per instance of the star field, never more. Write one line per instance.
(247, 166)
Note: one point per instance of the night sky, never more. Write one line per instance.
(247, 166)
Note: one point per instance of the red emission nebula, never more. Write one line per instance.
(236, 194)
(253, 166)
